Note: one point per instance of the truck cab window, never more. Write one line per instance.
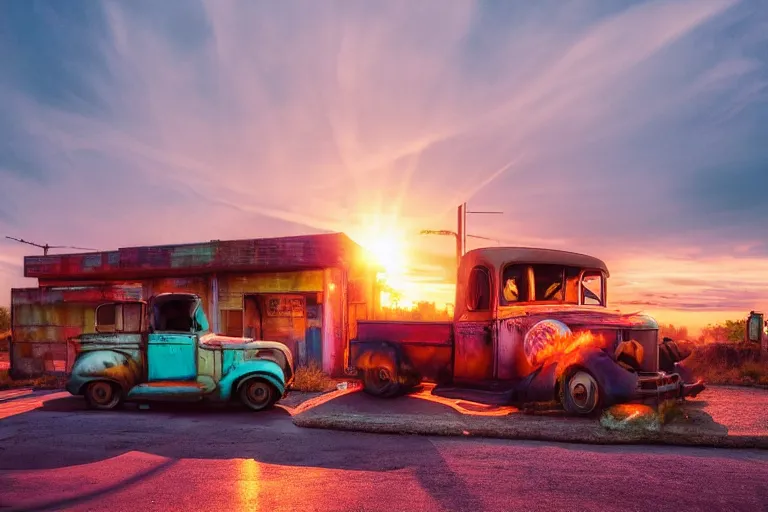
(550, 282)
(479, 290)
(106, 318)
(592, 289)
(515, 284)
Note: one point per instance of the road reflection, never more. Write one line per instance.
(464, 406)
(249, 485)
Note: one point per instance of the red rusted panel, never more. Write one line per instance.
(268, 254)
(474, 351)
(433, 361)
(432, 333)
(83, 294)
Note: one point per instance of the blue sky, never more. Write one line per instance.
(632, 130)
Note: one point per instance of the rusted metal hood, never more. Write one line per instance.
(572, 315)
(233, 343)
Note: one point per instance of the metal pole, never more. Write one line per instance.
(459, 236)
(464, 229)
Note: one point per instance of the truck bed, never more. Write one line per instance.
(427, 347)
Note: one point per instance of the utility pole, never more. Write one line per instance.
(461, 231)
(461, 238)
(457, 237)
(463, 223)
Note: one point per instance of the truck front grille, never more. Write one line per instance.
(649, 339)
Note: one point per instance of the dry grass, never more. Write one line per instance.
(728, 364)
(311, 378)
(44, 382)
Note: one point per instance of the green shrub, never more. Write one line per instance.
(5, 319)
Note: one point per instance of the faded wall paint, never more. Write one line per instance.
(232, 287)
(334, 342)
(264, 254)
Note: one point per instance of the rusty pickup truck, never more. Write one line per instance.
(163, 350)
(530, 325)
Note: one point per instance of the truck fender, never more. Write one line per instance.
(617, 384)
(113, 365)
(540, 385)
(268, 370)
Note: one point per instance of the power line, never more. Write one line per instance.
(46, 247)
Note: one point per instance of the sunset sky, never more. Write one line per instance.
(633, 131)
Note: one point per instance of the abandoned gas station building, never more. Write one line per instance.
(305, 291)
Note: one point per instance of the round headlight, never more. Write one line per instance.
(540, 335)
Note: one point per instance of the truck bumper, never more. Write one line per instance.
(664, 386)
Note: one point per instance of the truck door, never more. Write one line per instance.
(474, 338)
(172, 344)
(171, 356)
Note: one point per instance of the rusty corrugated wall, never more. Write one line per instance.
(45, 319)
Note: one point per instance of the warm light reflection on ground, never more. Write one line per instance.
(464, 406)
(319, 400)
(249, 484)
(22, 405)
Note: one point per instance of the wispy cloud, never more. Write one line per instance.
(601, 127)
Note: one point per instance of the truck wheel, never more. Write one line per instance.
(380, 382)
(580, 393)
(258, 395)
(103, 395)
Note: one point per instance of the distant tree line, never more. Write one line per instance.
(421, 311)
(5, 320)
(729, 331)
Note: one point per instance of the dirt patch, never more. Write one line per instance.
(44, 382)
(693, 426)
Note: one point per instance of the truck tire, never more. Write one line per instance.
(103, 395)
(580, 393)
(381, 382)
(258, 394)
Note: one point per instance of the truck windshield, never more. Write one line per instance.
(550, 283)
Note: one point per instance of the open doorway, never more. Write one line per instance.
(294, 319)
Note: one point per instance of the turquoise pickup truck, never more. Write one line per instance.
(163, 350)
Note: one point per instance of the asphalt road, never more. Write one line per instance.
(58, 456)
